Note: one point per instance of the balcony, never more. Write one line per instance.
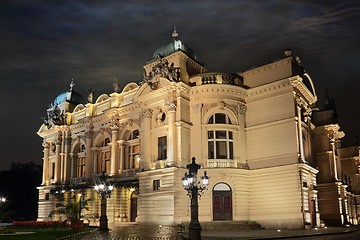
(217, 78)
(225, 163)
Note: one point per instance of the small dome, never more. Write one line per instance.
(71, 97)
(174, 46)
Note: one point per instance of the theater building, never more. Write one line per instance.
(251, 131)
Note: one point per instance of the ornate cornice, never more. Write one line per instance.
(297, 83)
(229, 90)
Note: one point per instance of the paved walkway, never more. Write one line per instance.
(170, 233)
(272, 234)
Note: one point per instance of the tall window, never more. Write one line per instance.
(81, 161)
(52, 170)
(220, 141)
(133, 150)
(162, 148)
(81, 167)
(104, 157)
(104, 162)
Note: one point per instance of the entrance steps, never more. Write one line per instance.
(230, 225)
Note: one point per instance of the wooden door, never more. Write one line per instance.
(222, 206)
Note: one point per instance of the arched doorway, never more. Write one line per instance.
(222, 202)
(133, 207)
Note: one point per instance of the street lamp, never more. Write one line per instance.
(2, 200)
(192, 185)
(104, 190)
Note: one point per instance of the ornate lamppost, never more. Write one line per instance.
(104, 189)
(194, 187)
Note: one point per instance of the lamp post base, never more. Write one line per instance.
(103, 224)
(194, 231)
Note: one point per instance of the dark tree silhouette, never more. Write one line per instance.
(18, 185)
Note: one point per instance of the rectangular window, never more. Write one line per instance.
(220, 134)
(162, 148)
(47, 196)
(211, 150)
(210, 134)
(221, 150)
(156, 184)
(81, 167)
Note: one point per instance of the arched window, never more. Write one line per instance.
(220, 140)
(218, 118)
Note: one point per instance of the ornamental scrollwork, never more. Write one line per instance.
(161, 69)
(146, 113)
(54, 116)
(242, 109)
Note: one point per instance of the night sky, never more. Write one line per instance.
(44, 44)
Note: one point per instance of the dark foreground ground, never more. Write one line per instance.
(172, 233)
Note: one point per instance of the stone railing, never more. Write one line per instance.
(221, 163)
(217, 78)
(77, 181)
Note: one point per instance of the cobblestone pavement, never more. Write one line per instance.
(137, 232)
(133, 233)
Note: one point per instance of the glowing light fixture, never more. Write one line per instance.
(104, 189)
(192, 185)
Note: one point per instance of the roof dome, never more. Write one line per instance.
(174, 46)
(70, 96)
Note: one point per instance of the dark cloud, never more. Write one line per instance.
(44, 44)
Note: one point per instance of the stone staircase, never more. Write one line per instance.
(230, 225)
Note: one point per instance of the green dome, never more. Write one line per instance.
(71, 97)
(175, 46)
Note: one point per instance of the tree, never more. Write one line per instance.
(20, 183)
(72, 209)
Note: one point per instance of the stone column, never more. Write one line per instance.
(95, 154)
(171, 136)
(196, 134)
(88, 156)
(121, 156)
(113, 159)
(299, 122)
(45, 176)
(145, 138)
(333, 164)
(67, 162)
(72, 167)
(308, 113)
(57, 161)
(241, 160)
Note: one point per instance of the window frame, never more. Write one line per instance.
(214, 139)
(162, 148)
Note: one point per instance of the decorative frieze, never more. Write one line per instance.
(235, 108)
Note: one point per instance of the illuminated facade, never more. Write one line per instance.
(252, 132)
